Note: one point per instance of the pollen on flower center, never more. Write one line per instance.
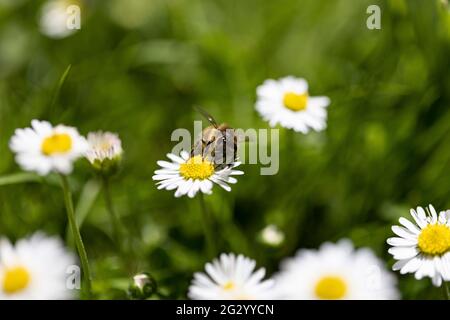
(197, 168)
(229, 285)
(295, 102)
(434, 239)
(331, 288)
(15, 279)
(57, 143)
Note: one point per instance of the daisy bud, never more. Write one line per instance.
(105, 152)
(142, 287)
(272, 236)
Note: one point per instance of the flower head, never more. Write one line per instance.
(105, 151)
(143, 286)
(230, 277)
(335, 271)
(189, 175)
(35, 268)
(423, 248)
(272, 235)
(286, 101)
(44, 148)
(55, 15)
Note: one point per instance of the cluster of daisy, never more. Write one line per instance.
(35, 268)
(44, 148)
(335, 271)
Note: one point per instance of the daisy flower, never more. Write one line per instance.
(34, 268)
(335, 271)
(44, 148)
(54, 18)
(105, 151)
(272, 235)
(189, 175)
(286, 101)
(423, 248)
(230, 277)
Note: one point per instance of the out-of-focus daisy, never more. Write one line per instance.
(287, 102)
(105, 151)
(272, 235)
(335, 271)
(34, 268)
(231, 277)
(189, 175)
(55, 18)
(423, 248)
(44, 148)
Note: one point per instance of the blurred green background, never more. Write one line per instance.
(138, 66)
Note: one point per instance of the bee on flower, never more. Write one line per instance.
(44, 148)
(191, 174)
(34, 268)
(231, 277)
(287, 102)
(423, 247)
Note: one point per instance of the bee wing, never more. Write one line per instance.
(241, 137)
(209, 117)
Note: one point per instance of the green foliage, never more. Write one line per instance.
(137, 67)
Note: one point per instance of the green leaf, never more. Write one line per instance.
(22, 177)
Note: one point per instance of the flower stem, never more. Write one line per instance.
(208, 228)
(117, 234)
(76, 234)
(446, 287)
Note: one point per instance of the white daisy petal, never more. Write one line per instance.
(404, 233)
(409, 225)
(401, 253)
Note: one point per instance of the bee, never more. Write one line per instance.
(217, 143)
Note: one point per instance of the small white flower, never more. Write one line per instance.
(104, 148)
(272, 235)
(44, 148)
(335, 271)
(54, 18)
(189, 175)
(423, 248)
(230, 277)
(286, 101)
(35, 268)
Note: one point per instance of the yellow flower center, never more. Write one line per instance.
(434, 239)
(197, 168)
(331, 288)
(229, 286)
(15, 279)
(56, 143)
(295, 102)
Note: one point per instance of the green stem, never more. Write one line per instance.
(208, 228)
(76, 234)
(114, 219)
(446, 290)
